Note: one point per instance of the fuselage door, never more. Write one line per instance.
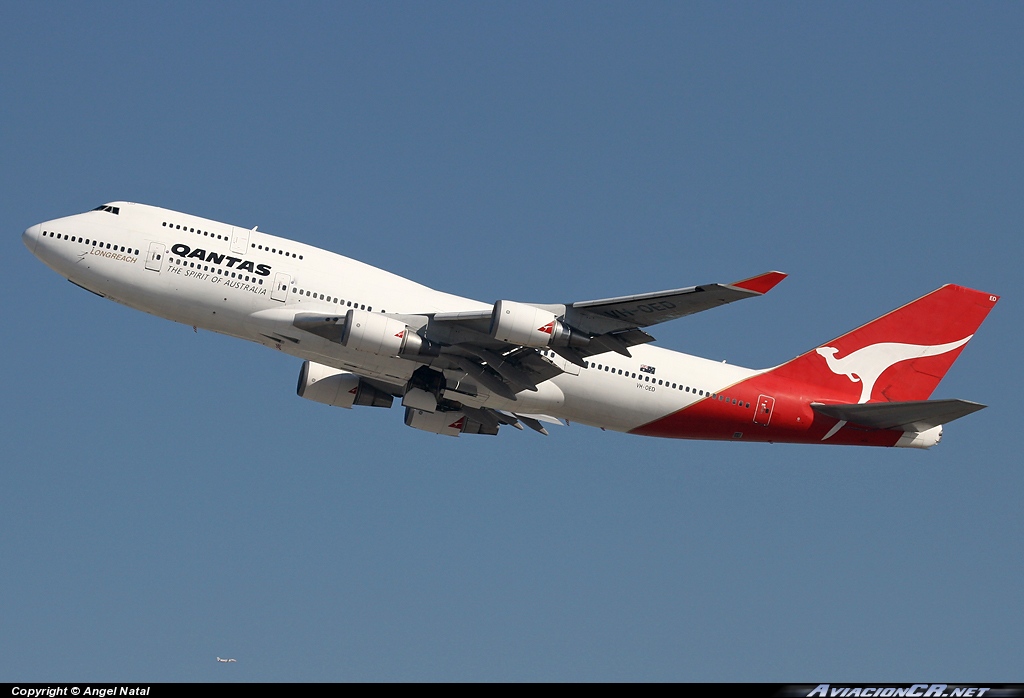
(155, 258)
(567, 367)
(280, 290)
(239, 240)
(763, 413)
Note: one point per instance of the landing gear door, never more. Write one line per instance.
(280, 290)
(239, 240)
(155, 257)
(763, 413)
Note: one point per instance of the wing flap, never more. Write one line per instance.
(505, 368)
(916, 415)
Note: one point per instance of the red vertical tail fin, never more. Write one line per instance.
(900, 356)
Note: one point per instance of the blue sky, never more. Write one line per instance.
(165, 497)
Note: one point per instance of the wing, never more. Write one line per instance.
(523, 354)
(586, 328)
(512, 347)
(646, 309)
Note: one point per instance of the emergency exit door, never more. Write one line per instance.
(763, 413)
(280, 290)
(155, 257)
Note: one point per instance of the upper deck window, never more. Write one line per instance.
(109, 209)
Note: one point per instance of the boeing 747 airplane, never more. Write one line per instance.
(459, 366)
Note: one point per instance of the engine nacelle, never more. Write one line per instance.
(519, 323)
(450, 423)
(332, 386)
(376, 333)
(923, 439)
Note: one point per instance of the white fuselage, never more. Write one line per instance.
(248, 284)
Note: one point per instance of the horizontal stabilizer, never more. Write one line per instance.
(917, 415)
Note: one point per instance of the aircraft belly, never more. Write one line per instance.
(548, 399)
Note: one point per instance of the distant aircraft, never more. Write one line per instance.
(460, 366)
(226, 660)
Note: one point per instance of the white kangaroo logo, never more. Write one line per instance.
(865, 365)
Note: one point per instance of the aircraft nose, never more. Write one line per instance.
(31, 236)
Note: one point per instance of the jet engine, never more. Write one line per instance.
(519, 323)
(450, 423)
(332, 386)
(378, 334)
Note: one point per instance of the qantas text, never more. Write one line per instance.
(215, 258)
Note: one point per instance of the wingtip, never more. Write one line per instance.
(762, 283)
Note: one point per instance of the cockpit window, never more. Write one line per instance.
(109, 209)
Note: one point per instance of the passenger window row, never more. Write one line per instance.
(320, 296)
(94, 243)
(276, 251)
(649, 379)
(206, 233)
